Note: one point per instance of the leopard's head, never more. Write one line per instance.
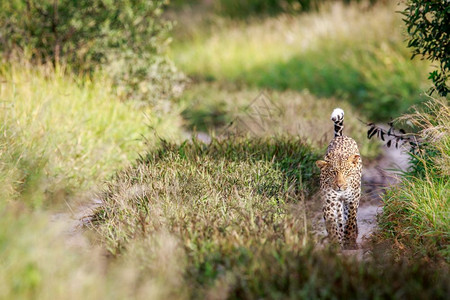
(338, 170)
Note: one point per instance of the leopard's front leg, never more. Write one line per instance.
(351, 226)
(333, 216)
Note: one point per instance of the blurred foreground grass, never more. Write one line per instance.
(39, 260)
(61, 135)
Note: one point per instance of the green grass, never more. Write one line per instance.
(61, 133)
(416, 216)
(229, 190)
(38, 260)
(416, 213)
(246, 9)
(349, 52)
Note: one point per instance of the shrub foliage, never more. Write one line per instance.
(125, 37)
(428, 24)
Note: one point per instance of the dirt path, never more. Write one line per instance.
(376, 177)
(73, 220)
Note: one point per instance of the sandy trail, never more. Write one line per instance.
(74, 219)
(376, 178)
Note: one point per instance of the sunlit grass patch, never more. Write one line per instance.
(61, 133)
(378, 82)
(350, 52)
(225, 201)
(416, 216)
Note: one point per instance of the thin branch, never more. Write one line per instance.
(393, 136)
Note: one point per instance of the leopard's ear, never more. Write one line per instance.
(321, 164)
(354, 159)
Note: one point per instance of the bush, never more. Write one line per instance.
(126, 38)
(433, 121)
(428, 24)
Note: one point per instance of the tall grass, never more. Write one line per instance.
(61, 133)
(351, 52)
(60, 136)
(225, 194)
(416, 213)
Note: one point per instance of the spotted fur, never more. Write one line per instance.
(340, 186)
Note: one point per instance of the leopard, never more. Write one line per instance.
(340, 185)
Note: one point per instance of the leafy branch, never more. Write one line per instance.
(395, 137)
(428, 26)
